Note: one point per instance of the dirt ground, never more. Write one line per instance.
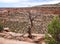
(17, 38)
(7, 41)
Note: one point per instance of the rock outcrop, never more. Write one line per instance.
(17, 18)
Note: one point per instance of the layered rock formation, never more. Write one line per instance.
(17, 18)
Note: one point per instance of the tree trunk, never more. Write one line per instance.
(29, 32)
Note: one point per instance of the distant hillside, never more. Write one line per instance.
(49, 5)
(58, 4)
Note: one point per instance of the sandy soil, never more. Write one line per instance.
(7, 41)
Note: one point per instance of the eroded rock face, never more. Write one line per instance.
(17, 18)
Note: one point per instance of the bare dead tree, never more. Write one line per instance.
(31, 22)
(31, 25)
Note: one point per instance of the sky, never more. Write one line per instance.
(25, 3)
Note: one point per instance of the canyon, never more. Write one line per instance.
(17, 20)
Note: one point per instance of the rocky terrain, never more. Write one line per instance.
(7, 41)
(17, 20)
(17, 38)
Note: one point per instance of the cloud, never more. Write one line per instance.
(25, 3)
(9, 1)
(13, 1)
(38, 3)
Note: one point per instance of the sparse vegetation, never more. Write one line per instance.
(1, 27)
(54, 31)
(30, 24)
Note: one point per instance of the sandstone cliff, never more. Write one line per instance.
(17, 18)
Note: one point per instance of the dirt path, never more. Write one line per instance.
(7, 41)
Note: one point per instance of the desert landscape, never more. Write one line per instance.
(30, 25)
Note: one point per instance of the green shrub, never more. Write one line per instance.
(1, 27)
(49, 40)
(54, 30)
